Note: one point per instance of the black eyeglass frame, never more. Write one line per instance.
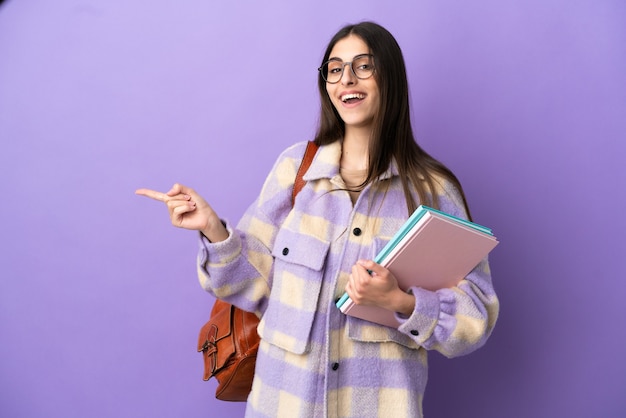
(343, 66)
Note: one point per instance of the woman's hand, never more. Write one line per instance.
(187, 209)
(372, 284)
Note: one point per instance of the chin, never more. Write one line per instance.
(358, 123)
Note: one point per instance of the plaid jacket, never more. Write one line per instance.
(289, 265)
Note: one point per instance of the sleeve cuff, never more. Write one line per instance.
(219, 252)
(422, 322)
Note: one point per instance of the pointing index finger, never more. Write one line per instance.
(153, 194)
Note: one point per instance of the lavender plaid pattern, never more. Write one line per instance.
(289, 265)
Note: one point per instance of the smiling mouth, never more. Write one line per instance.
(352, 97)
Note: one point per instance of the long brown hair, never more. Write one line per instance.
(392, 135)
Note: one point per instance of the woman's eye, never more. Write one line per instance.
(363, 63)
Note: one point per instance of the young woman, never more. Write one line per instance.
(289, 264)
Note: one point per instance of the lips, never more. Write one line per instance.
(352, 97)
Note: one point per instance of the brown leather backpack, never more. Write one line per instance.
(229, 341)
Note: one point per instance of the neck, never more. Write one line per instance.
(355, 150)
(358, 134)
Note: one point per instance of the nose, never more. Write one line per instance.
(347, 76)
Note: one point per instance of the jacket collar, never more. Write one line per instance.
(325, 164)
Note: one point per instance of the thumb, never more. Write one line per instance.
(371, 267)
(177, 188)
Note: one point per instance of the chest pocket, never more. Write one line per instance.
(297, 279)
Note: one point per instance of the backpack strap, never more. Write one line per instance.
(309, 153)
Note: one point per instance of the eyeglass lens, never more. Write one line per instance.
(362, 67)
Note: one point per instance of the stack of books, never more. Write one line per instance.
(433, 250)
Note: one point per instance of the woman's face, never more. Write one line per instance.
(357, 100)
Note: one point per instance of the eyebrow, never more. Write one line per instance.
(353, 58)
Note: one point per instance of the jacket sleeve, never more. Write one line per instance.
(457, 320)
(239, 269)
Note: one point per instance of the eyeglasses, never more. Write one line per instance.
(362, 67)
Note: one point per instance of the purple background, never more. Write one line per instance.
(100, 305)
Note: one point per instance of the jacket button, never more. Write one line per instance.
(415, 332)
(285, 251)
(356, 231)
(335, 366)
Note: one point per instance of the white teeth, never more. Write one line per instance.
(352, 96)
